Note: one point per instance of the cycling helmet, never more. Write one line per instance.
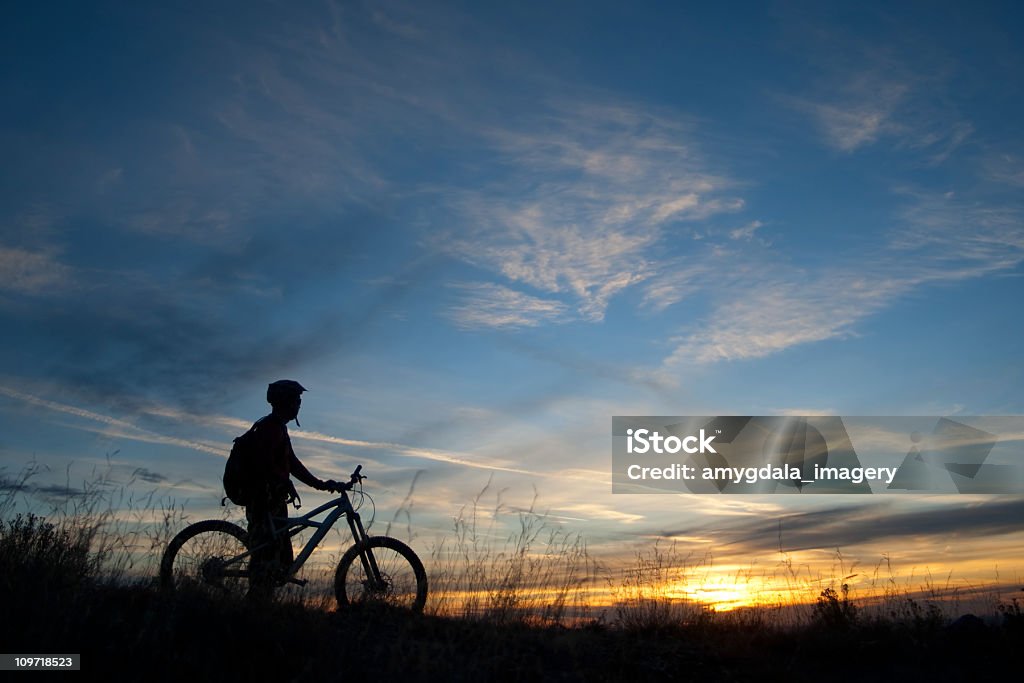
(283, 390)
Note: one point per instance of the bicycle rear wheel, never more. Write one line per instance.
(201, 558)
(400, 580)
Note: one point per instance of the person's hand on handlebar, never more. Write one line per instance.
(337, 486)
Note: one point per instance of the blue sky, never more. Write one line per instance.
(476, 233)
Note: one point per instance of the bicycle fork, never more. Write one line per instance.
(377, 582)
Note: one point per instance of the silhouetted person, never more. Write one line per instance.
(276, 462)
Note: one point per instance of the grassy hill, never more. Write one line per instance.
(55, 601)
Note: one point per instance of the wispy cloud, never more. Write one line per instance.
(463, 459)
(113, 427)
(884, 98)
(117, 428)
(597, 511)
(8, 486)
(761, 306)
(486, 305)
(591, 189)
(32, 272)
(885, 527)
(1005, 168)
(949, 236)
(858, 116)
(775, 314)
(845, 527)
(746, 232)
(677, 279)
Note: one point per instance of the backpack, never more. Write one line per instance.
(242, 478)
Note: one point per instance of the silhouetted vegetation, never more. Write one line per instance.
(64, 590)
(834, 609)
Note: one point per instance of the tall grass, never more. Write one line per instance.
(121, 532)
(644, 593)
(536, 573)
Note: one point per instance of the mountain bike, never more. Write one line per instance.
(213, 556)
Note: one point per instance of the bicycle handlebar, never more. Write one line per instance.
(353, 480)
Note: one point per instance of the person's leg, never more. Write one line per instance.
(264, 561)
(284, 554)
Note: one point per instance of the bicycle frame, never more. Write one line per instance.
(294, 525)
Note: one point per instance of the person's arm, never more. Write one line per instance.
(300, 472)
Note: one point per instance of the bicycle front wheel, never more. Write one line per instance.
(203, 558)
(381, 570)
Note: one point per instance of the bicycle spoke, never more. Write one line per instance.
(204, 563)
(398, 582)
